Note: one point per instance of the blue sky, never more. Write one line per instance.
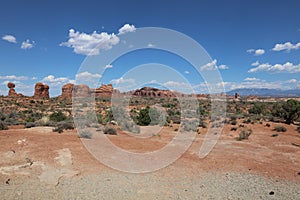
(252, 43)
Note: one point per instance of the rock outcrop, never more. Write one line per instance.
(153, 92)
(67, 90)
(12, 92)
(81, 90)
(41, 91)
(104, 90)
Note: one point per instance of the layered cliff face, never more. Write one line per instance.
(83, 90)
(104, 91)
(12, 92)
(41, 91)
(153, 92)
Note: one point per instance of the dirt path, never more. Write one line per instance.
(39, 164)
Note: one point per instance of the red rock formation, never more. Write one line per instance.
(153, 92)
(81, 90)
(104, 90)
(12, 92)
(41, 91)
(67, 90)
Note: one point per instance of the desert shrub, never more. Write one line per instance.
(3, 125)
(298, 129)
(44, 121)
(280, 129)
(58, 116)
(29, 124)
(233, 128)
(110, 130)
(247, 121)
(176, 129)
(85, 134)
(233, 122)
(190, 125)
(268, 125)
(203, 124)
(244, 134)
(128, 125)
(61, 126)
(258, 108)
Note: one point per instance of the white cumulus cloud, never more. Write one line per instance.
(259, 52)
(127, 28)
(9, 38)
(27, 44)
(14, 77)
(52, 79)
(288, 46)
(251, 79)
(287, 67)
(122, 81)
(87, 75)
(212, 66)
(256, 52)
(90, 44)
(255, 64)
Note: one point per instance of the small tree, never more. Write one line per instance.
(289, 110)
(258, 108)
(58, 116)
(144, 117)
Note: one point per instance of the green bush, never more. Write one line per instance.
(258, 108)
(85, 134)
(110, 130)
(289, 110)
(3, 125)
(280, 128)
(58, 116)
(29, 124)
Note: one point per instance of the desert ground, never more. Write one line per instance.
(37, 163)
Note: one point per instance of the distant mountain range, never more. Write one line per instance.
(265, 92)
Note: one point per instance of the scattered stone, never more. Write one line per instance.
(28, 160)
(7, 181)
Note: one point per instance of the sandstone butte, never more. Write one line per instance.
(41, 91)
